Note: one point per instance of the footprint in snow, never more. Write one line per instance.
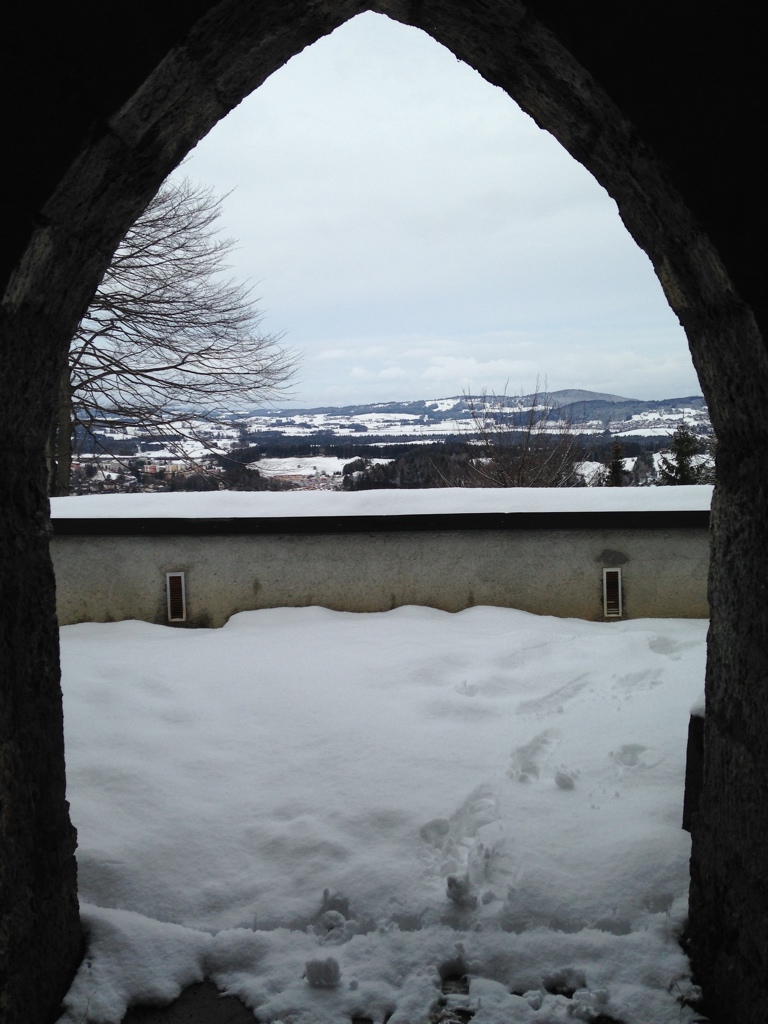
(529, 759)
(458, 852)
(635, 755)
(565, 778)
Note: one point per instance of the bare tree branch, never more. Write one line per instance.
(167, 336)
(524, 443)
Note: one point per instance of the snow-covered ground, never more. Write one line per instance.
(316, 465)
(380, 424)
(327, 813)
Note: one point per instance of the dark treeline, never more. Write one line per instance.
(344, 448)
(508, 458)
(269, 445)
(470, 465)
(392, 448)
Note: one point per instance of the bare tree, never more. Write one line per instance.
(167, 339)
(524, 442)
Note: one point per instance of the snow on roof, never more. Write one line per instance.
(436, 501)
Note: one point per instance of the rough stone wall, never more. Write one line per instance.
(38, 890)
(666, 116)
(728, 931)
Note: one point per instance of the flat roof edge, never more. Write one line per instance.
(429, 523)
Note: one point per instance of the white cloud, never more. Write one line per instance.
(408, 225)
(333, 353)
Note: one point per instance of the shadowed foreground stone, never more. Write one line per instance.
(198, 1004)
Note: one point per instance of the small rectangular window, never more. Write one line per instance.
(177, 596)
(612, 608)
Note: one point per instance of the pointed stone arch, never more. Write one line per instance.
(104, 139)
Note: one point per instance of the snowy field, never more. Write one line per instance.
(329, 813)
(316, 465)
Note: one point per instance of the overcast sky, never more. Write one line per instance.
(414, 234)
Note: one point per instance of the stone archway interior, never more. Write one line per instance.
(673, 144)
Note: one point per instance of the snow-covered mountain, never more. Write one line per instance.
(588, 411)
(422, 421)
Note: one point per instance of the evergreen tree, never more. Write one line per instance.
(681, 466)
(615, 474)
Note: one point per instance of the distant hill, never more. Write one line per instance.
(387, 429)
(579, 406)
(612, 408)
(568, 397)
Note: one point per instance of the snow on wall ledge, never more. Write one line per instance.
(437, 501)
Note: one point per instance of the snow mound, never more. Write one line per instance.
(338, 815)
